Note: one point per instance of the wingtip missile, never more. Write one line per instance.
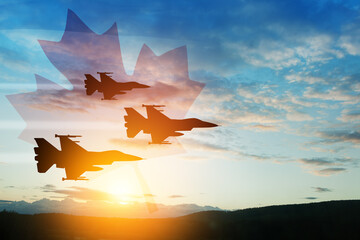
(163, 142)
(69, 136)
(76, 179)
(104, 72)
(145, 105)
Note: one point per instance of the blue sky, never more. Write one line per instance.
(282, 79)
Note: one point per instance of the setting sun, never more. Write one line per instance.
(119, 189)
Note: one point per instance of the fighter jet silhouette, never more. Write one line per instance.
(158, 125)
(75, 159)
(108, 86)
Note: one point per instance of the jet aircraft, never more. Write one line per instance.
(108, 86)
(75, 159)
(159, 125)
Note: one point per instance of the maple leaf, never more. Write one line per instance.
(54, 109)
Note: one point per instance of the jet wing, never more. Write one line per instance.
(109, 94)
(155, 115)
(130, 85)
(91, 84)
(159, 123)
(73, 172)
(69, 146)
(106, 80)
(134, 122)
(109, 86)
(158, 137)
(126, 86)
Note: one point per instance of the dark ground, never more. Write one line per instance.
(325, 220)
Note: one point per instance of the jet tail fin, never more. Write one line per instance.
(91, 84)
(134, 122)
(45, 155)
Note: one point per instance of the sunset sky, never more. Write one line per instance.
(281, 78)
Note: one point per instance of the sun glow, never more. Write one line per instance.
(120, 183)
(119, 189)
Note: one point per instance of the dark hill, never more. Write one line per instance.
(325, 220)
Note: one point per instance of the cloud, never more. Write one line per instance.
(260, 127)
(242, 103)
(299, 27)
(245, 117)
(268, 53)
(287, 51)
(263, 94)
(81, 193)
(334, 136)
(298, 116)
(48, 188)
(198, 145)
(308, 79)
(329, 171)
(14, 60)
(350, 116)
(149, 195)
(350, 40)
(317, 162)
(324, 161)
(333, 94)
(350, 44)
(326, 166)
(311, 198)
(273, 104)
(176, 196)
(332, 149)
(321, 189)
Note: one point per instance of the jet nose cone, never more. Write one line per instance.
(129, 157)
(212, 125)
(208, 124)
(142, 86)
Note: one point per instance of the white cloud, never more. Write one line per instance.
(288, 51)
(329, 171)
(260, 127)
(298, 116)
(318, 48)
(351, 43)
(350, 38)
(270, 54)
(309, 79)
(349, 116)
(333, 94)
(249, 117)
